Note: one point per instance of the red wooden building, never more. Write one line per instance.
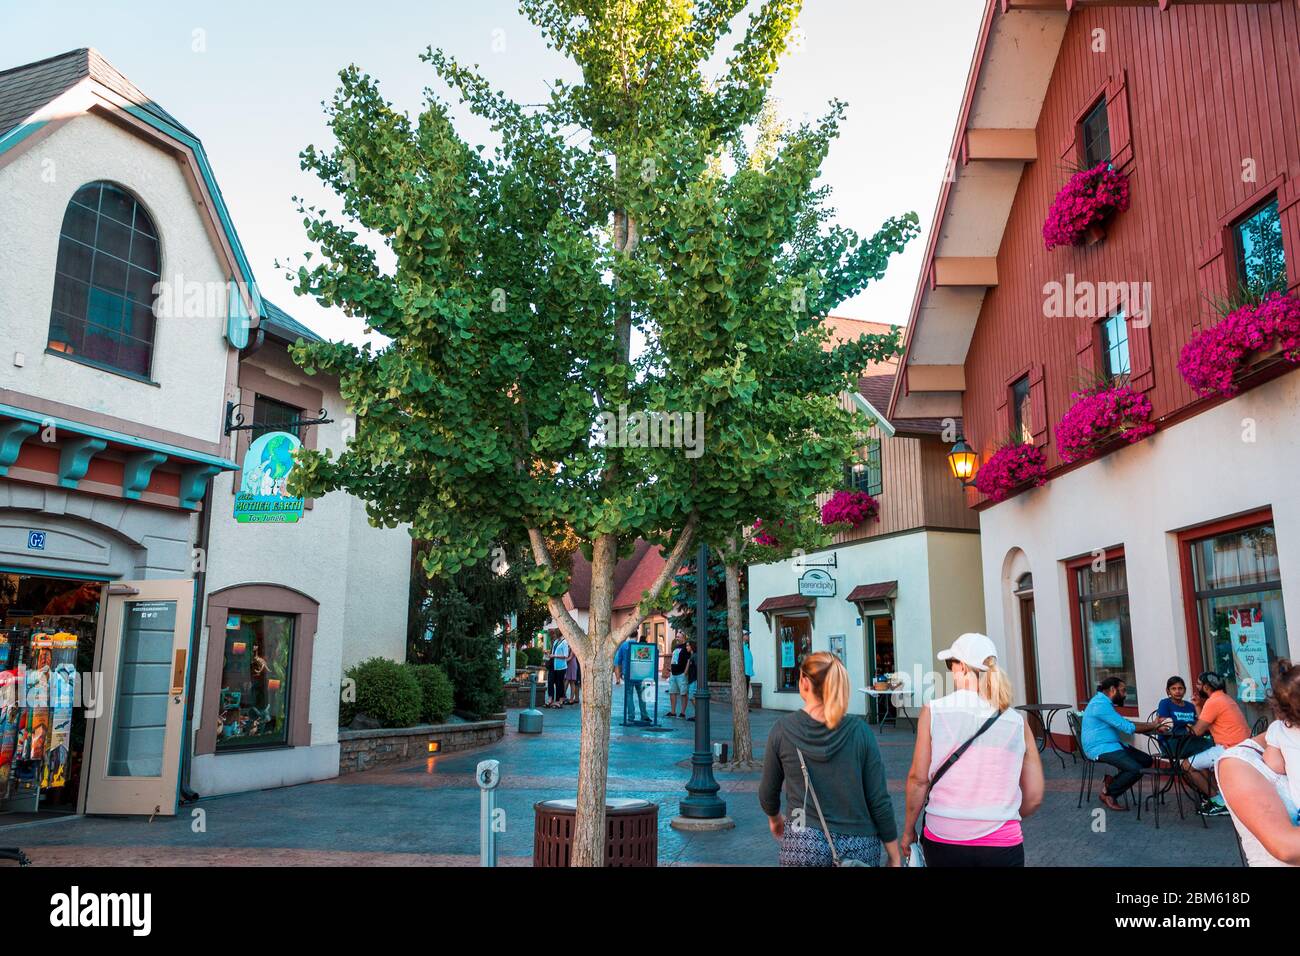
(1180, 551)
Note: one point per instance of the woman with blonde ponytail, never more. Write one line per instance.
(975, 763)
(828, 764)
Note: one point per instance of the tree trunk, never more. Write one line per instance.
(597, 690)
(742, 744)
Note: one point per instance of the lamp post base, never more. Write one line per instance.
(702, 825)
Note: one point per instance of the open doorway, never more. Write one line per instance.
(48, 627)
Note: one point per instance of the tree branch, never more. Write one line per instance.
(671, 566)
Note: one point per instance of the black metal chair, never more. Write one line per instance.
(1170, 776)
(1259, 727)
(1075, 722)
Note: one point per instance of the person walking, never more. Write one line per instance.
(559, 666)
(681, 656)
(622, 672)
(692, 670)
(975, 771)
(824, 756)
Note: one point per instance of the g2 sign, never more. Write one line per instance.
(263, 496)
(35, 540)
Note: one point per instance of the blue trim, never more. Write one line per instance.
(171, 451)
(20, 133)
(74, 458)
(42, 573)
(194, 482)
(12, 436)
(137, 471)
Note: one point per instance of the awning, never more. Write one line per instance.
(883, 591)
(786, 602)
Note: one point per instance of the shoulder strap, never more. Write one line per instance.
(808, 789)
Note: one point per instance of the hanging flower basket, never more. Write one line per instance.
(1213, 361)
(1081, 208)
(1010, 468)
(1100, 415)
(850, 507)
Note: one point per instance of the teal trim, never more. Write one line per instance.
(171, 451)
(12, 436)
(43, 573)
(74, 458)
(20, 133)
(138, 470)
(194, 481)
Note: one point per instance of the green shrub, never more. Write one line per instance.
(477, 682)
(532, 657)
(437, 696)
(719, 665)
(386, 691)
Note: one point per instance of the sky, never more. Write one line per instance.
(249, 79)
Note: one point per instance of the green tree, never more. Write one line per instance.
(512, 281)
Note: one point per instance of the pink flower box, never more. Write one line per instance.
(1214, 359)
(850, 507)
(1090, 198)
(1010, 468)
(1099, 415)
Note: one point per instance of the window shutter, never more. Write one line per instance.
(1038, 405)
(1117, 114)
(1288, 207)
(1142, 373)
(1086, 353)
(1003, 419)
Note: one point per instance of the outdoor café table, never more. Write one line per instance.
(1045, 713)
(900, 694)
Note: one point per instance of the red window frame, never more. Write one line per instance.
(1186, 539)
(1072, 567)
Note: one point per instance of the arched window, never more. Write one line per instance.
(103, 283)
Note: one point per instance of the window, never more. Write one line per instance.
(104, 278)
(866, 475)
(1261, 256)
(1106, 631)
(1239, 613)
(254, 705)
(1022, 422)
(1114, 347)
(270, 415)
(793, 644)
(1096, 136)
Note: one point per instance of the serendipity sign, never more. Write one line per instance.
(816, 583)
(263, 490)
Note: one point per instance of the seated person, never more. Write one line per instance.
(1103, 730)
(1220, 717)
(1182, 712)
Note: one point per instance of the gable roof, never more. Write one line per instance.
(279, 324)
(579, 595)
(37, 97)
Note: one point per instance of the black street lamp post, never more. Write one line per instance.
(702, 802)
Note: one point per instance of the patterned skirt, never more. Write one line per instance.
(807, 847)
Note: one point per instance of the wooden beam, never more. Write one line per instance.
(936, 378)
(1068, 5)
(963, 271)
(1014, 144)
(928, 405)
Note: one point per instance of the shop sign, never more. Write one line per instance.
(1104, 637)
(35, 540)
(816, 583)
(263, 490)
(1249, 653)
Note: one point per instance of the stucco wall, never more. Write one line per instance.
(1198, 471)
(359, 576)
(930, 568)
(189, 359)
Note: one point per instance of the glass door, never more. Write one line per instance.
(136, 736)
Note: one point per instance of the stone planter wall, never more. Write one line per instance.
(722, 692)
(366, 749)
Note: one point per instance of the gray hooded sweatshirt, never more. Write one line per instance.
(846, 770)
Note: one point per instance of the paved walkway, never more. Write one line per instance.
(427, 813)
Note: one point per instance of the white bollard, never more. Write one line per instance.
(488, 776)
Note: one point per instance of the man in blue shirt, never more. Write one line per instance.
(622, 666)
(1104, 728)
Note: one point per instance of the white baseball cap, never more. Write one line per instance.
(972, 650)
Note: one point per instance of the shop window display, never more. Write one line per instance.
(47, 633)
(255, 681)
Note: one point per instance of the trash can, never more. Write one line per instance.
(631, 832)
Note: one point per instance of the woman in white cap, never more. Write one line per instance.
(976, 763)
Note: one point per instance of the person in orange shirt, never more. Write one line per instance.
(1219, 716)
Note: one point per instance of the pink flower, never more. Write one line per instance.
(850, 507)
(1009, 468)
(1099, 413)
(1210, 361)
(762, 537)
(1087, 199)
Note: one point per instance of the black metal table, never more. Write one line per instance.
(1045, 714)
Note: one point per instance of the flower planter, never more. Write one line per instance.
(1011, 469)
(1215, 360)
(852, 508)
(1100, 417)
(1096, 234)
(1079, 212)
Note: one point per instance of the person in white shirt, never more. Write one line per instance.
(1282, 752)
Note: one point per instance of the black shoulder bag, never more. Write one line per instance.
(917, 856)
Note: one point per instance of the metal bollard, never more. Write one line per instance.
(488, 775)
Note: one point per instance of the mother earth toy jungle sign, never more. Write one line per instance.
(263, 490)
